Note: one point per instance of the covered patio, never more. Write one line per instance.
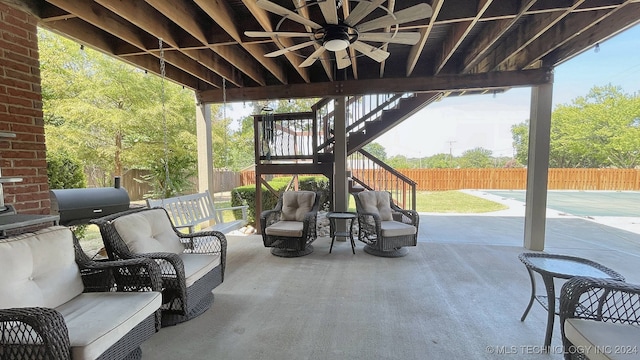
(448, 299)
(453, 297)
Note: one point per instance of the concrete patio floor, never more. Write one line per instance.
(459, 294)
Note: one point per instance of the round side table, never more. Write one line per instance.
(349, 217)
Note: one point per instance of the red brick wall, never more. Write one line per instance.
(21, 113)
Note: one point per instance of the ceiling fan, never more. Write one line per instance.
(337, 35)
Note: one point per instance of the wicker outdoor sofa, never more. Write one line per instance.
(192, 265)
(55, 303)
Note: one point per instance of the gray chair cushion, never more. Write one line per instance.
(376, 202)
(296, 204)
(285, 228)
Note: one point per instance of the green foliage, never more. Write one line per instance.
(247, 194)
(477, 158)
(601, 129)
(108, 113)
(64, 171)
(376, 150)
(181, 168)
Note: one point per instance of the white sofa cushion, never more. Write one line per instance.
(198, 265)
(39, 269)
(603, 340)
(296, 204)
(376, 202)
(285, 228)
(97, 320)
(148, 231)
(396, 228)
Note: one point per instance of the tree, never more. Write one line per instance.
(601, 129)
(520, 135)
(376, 150)
(110, 115)
(440, 161)
(476, 158)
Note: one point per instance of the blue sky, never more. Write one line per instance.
(463, 123)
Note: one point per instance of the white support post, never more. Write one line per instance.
(205, 148)
(538, 167)
(340, 183)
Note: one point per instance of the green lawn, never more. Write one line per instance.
(454, 202)
(426, 201)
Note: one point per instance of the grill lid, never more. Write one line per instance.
(79, 206)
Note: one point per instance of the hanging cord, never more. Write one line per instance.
(164, 121)
(224, 118)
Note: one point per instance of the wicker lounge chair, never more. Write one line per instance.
(192, 264)
(600, 319)
(383, 226)
(290, 228)
(56, 303)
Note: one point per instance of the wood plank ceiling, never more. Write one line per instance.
(465, 46)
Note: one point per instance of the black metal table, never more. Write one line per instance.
(349, 217)
(550, 267)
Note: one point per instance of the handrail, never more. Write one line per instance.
(360, 109)
(374, 174)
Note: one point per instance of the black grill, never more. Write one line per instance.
(79, 206)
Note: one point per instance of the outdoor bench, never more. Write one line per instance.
(189, 211)
(56, 303)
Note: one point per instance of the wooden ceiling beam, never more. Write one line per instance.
(104, 42)
(222, 14)
(614, 23)
(325, 58)
(441, 83)
(144, 17)
(186, 17)
(457, 35)
(262, 17)
(155, 23)
(416, 50)
(518, 40)
(490, 35)
(105, 19)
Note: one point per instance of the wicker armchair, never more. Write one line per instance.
(192, 264)
(290, 228)
(600, 319)
(47, 314)
(383, 226)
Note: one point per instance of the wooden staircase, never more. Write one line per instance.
(302, 143)
(388, 119)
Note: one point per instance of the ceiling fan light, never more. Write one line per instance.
(336, 44)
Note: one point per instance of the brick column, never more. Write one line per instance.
(21, 113)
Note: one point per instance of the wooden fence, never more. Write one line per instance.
(513, 179)
(223, 180)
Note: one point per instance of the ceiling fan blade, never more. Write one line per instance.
(406, 38)
(279, 10)
(342, 59)
(313, 57)
(361, 10)
(277, 33)
(329, 11)
(416, 12)
(290, 48)
(371, 51)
